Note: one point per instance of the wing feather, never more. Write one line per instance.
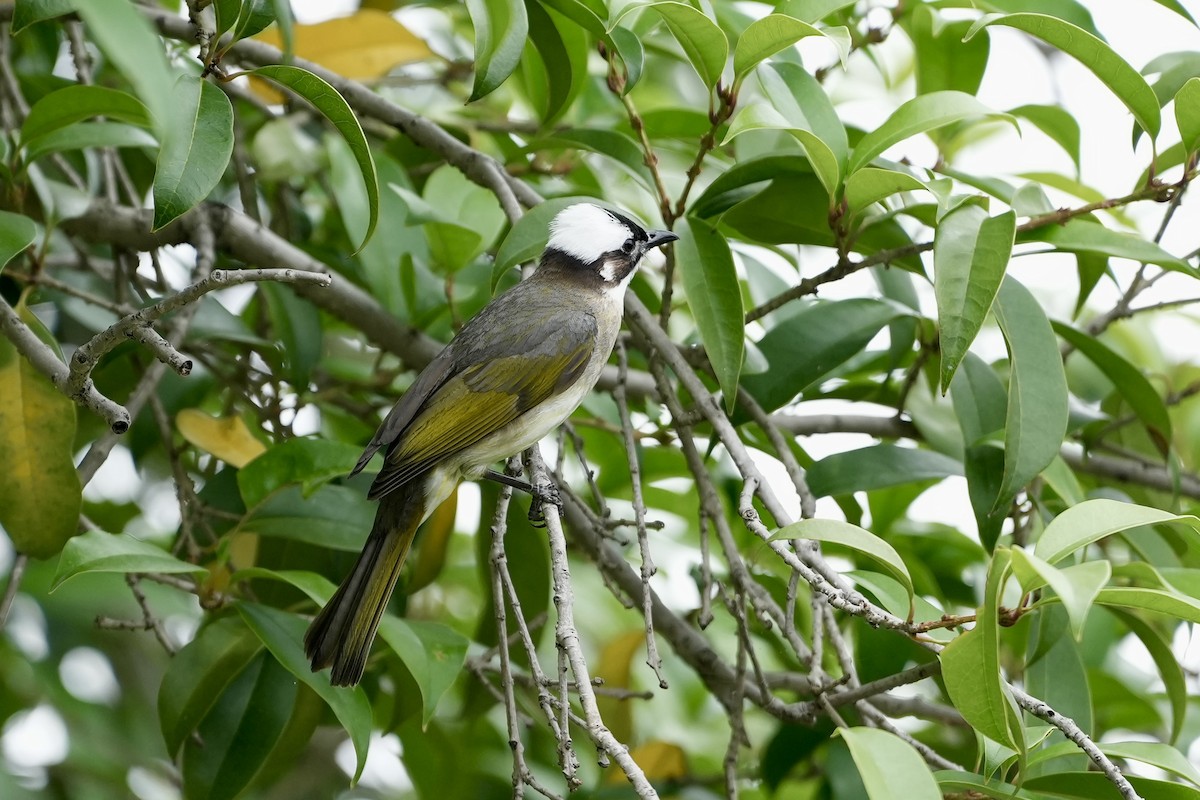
(479, 399)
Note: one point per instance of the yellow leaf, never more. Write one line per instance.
(661, 761)
(435, 540)
(615, 670)
(363, 46)
(226, 438)
(40, 495)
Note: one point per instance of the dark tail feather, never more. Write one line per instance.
(341, 635)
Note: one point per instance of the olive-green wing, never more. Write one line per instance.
(483, 397)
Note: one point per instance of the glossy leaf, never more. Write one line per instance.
(1124, 81)
(309, 462)
(1187, 114)
(919, 115)
(501, 27)
(760, 116)
(832, 531)
(195, 150)
(1093, 520)
(335, 109)
(76, 103)
(1084, 236)
(621, 148)
(942, 60)
(334, 517)
(870, 185)
(40, 493)
(632, 53)
(1057, 123)
(433, 653)
(876, 467)
(816, 341)
(297, 325)
(971, 668)
(97, 551)
(84, 135)
(970, 255)
(890, 767)
(17, 232)
(283, 633)
(27, 12)
(241, 730)
(1129, 381)
(1037, 389)
(764, 38)
(199, 673)
(1097, 786)
(127, 41)
(702, 41)
(562, 49)
(1076, 586)
(711, 284)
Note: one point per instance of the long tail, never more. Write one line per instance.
(341, 635)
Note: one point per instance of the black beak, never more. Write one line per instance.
(658, 239)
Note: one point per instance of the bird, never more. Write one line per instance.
(512, 374)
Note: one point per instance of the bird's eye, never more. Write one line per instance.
(628, 246)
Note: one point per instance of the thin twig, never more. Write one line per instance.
(14, 586)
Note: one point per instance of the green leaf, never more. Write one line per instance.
(1187, 114)
(283, 633)
(560, 51)
(327, 100)
(890, 767)
(812, 10)
(971, 668)
(1097, 786)
(469, 218)
(761, 116)
(127, 41)
(919, 115)
(333, 517)
(1057, 123)
(85, 135)
(876, 467)
(1085, 236)
(1129, 381)
(1037, 389)
(501, 27)
(239, 733)
(1124, 81)
(711, 284)
(1093, 520)
(433, 653)
(296, 324)
(970, 255)
(318, 588)
(800, 97)
(76, 103)
(764, 38)
(633, 55)
(16, 234)
(942, 60)
(1157, 600)
(27, 12)
(198, 675)
(833, 531)
(40, 494)
(980, 402)
(526, 240)
(1169, 669)
(195, 150)
(1076, 586)
(870, 185)
(622, 149)
(96, 551)
(701, 39)
(952, 782)
(805, 348)
(309, 462)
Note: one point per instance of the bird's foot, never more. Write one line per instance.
(546, 493)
